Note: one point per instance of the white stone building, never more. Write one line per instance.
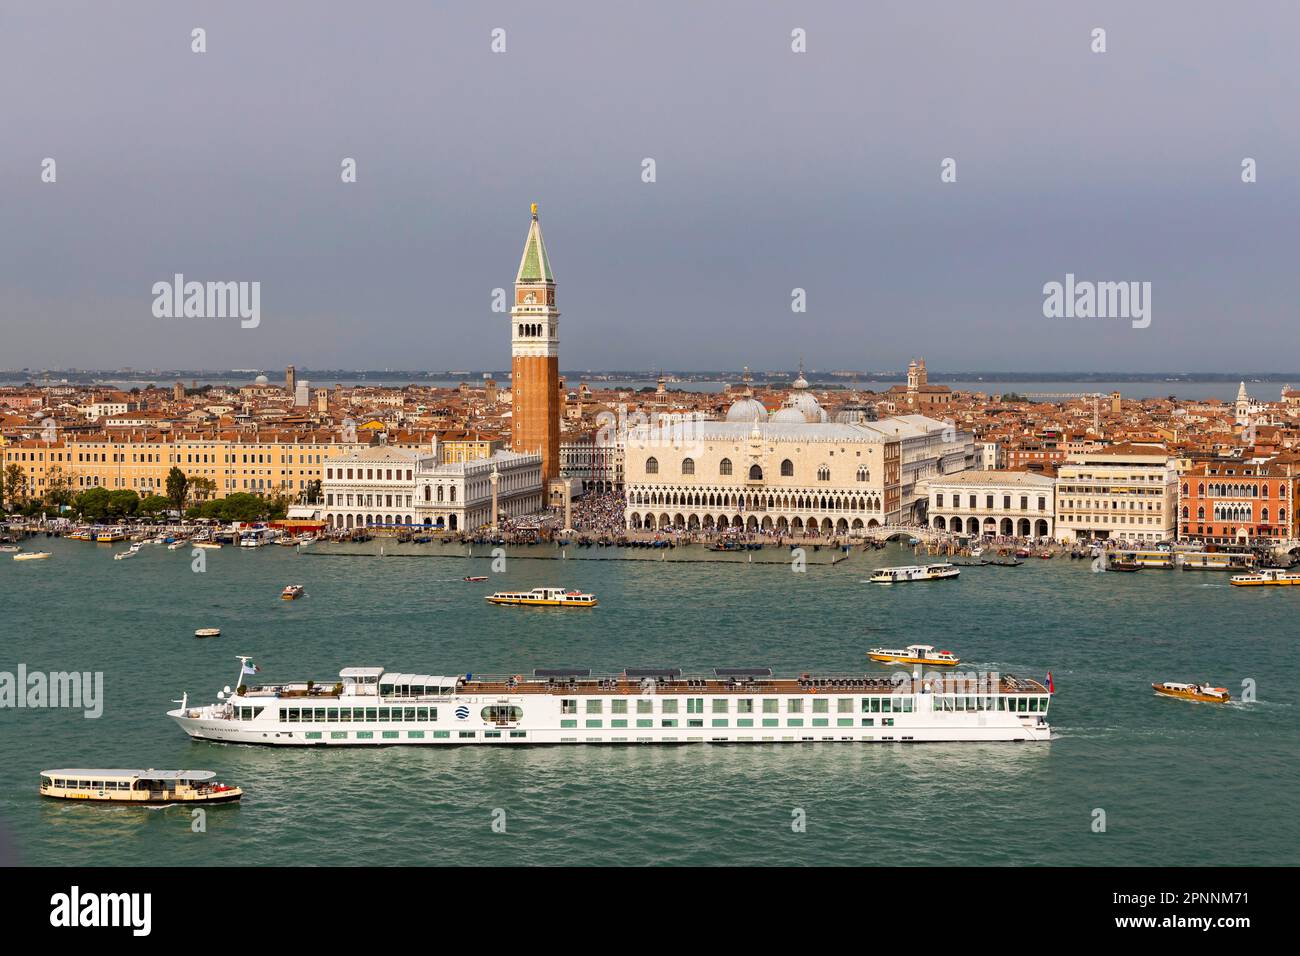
(785, 475)
(382, 486)
(458, 495)
(371, 487)
(1127, 492)
(1008, 503)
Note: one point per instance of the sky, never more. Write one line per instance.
(774, 171)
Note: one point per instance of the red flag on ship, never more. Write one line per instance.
(1051, 688)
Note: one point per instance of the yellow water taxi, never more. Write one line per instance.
(544, 597)
(914, 654)
(137, 786)
(1201, 692)
(1267, 578)
(110, 537)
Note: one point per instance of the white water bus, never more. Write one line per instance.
(921, 572)
(370, 706)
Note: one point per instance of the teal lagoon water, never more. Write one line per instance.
(1179, 783)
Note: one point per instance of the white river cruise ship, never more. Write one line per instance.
(370, 706)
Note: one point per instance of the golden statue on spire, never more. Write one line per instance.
(534, 210)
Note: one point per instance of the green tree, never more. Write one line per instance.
(122, 503)
(201, 489)
(59, 491)
(92, 504)
(154, 505)
(312, 493)
(15, 484)
(177, 487)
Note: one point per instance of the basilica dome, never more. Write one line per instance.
(747, 410)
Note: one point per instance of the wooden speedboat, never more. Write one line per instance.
(476, 577)
(31, 556)
(544, 597)
(137, 786)
(1199, 692)
(208, 632)
(914, 654)
(292, 592)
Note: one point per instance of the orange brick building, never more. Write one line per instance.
(1228, 501)
(535, 357)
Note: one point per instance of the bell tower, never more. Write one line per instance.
(535, 356)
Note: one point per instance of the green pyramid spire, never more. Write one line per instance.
(535, 266)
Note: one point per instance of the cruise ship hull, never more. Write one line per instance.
(989, 727)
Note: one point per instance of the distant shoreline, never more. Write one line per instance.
(326, 377)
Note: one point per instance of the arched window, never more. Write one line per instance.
(724, 466)
(652, 466)
(1184, 511)
(427, 492)
(787, 469)
(755, 473)
(1200, 490)
(1264, 516)
(688, 466)
(823, 473)
(1200, 514)
(863, 474)
(1184, 489)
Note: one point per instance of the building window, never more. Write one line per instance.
(755, 473)
(688, 466)
(787, 469)
(652, 466)
(823, 473)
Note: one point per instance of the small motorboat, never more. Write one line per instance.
(31, 556)
(1124, 566)
(207, 544)
(292, 592)
(130, 552)
(208, 632)
(476, 577)
(177, 545)
(9, 549)
(1198, 692)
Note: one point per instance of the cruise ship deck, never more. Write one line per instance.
(580, 682)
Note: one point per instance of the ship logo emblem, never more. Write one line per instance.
(462, 712)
